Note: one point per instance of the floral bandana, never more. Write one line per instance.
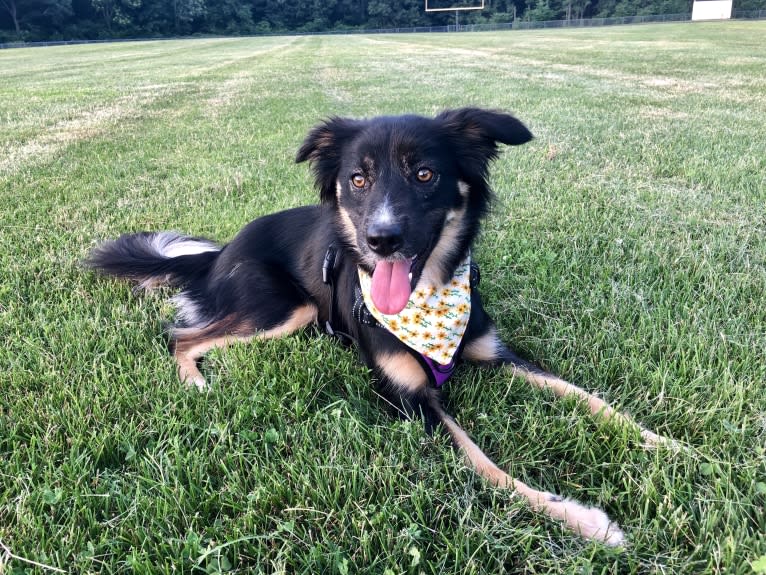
(434, 320)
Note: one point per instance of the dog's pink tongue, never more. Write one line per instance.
(391, 286)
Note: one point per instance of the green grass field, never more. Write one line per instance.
(626, 252)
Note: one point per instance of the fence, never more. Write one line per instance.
(515, 25)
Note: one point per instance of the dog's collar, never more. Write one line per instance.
(436, 315)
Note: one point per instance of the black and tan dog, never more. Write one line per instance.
(384, 260)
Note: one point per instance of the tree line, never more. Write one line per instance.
(34, 20)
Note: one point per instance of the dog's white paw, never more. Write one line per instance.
(590, 522)
(593, 523)
(198, 383)
(652, 440)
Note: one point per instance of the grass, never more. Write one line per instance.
(626, 252)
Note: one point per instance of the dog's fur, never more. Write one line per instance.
(268, 281)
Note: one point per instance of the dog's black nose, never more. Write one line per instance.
(384, 239)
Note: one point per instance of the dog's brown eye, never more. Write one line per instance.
(424, 175)
(358, 180)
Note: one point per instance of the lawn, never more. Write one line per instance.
(626, 252)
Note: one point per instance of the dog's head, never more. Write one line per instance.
(409, 191)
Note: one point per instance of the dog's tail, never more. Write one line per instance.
(155, 258)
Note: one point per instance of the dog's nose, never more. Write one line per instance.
(384, 238)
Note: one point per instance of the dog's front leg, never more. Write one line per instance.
(590, 522)
(488, 348)
(406, 386)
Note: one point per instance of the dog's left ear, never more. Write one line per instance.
(474, 134)
(324, 148)
(485, 127)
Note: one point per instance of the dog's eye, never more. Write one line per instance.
(424, 175)
(358, 181)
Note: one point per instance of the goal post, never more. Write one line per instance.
(453, 8)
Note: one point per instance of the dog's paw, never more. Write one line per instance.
(652, 440)
(198, 383)
(590, 522)
(593, 523)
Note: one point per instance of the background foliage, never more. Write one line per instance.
(32, 20)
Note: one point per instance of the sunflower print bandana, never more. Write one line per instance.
(435, 318)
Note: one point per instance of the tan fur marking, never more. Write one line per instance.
(323, 140)
(563, 388)
(596, 405)
(484, 348)
(589, 522)
(403, 369)
(191, 346)
(434, 272)
(153, 282)
(347, 224)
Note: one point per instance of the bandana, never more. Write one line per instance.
(435, 318)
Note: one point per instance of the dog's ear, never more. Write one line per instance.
(485, 128)
(474, 134)
(323, 147)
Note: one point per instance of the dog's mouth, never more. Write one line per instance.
(391, 285)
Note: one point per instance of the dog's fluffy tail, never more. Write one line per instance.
(155, 258)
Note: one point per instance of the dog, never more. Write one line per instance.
(383, 261)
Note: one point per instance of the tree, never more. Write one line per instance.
(185, 11)
(349, 12)
(544, 10)
(38, 16)
(107, 9)
(395, 13)
(575, 9)
(49, 14)
(116, 12)
(13, 10)
(229, 17)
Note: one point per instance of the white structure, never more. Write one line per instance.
(711, 10)
(458, 8)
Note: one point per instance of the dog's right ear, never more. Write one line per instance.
(323, 147)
